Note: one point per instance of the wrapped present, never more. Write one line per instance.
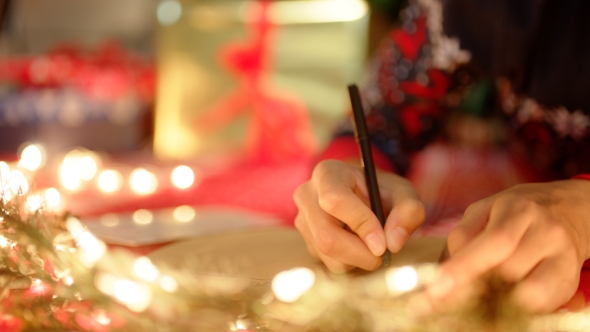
(262, 79)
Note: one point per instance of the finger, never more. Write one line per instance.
(533, 248)
(507, 224)
(473, 222)
(337, 197)
(335, 266)
(302, 225)
(329, 239)
(551, 284)
(407, 214)
(303, 228)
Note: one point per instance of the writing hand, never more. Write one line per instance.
(337, 223)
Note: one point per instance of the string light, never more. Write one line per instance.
(78, 166)
(34, 203)
(87, 167)
(143, 217)
(109, 220)
(184, 213)
(144, 269)
(32, 157)
(182, 177)
(69, 175)
(401, 279)
(289, 286)
(168, 284)
(109, 181)
(4, 241)
(143, 182)
(4, 172)
(135, 296)
(92, 249)
(18, 183)
(51, 198)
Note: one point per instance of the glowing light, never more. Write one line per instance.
(126, 291)
(401, 279)
(78, 166)
(143, 217)
(4, 241)
(323, 11)
(87, 168)
(75, 227)
(182, 177)
(101, 318)
(168, 284)
(109, 181)
(51, 197)
(18, 183)
(93, 249)
(32, 157)
(144, 269)
(134, 296)
(69, 175)
(143, 182)
(169, 12)
(109, 220)
(289, 286)
(240, 325)
(68, 280)
(106, 283)
(4, 172)
(34, 203)
(184, 213)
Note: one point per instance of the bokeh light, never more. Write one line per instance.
(143, 217)
(143, 182)
(88, 167)
(184, 213)
(17, 183)
(289, 286)
(135, 296)
(169, 12)
(4, 241)
(34, 203)
(109, 220)
(4, 172)
(401, 279)
(109, 181)
(32, 157)
(182, 177)
(51, 198)
(168, 284)
(144, 269)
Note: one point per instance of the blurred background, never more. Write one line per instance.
(135, 114)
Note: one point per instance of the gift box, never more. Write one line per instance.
(263, 79)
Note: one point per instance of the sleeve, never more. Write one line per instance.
(402, 98)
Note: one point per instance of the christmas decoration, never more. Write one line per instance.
(55, 275)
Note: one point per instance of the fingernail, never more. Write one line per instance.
(396, 238)
(441, 286)
(375, 243)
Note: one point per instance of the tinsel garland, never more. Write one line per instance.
(56, 276)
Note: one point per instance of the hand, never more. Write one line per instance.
(533, 235)
(337, 223)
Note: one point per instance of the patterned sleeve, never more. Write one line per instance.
(404, 92)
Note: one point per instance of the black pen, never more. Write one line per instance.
(364, 142)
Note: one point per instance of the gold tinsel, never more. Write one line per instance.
(55, 276)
